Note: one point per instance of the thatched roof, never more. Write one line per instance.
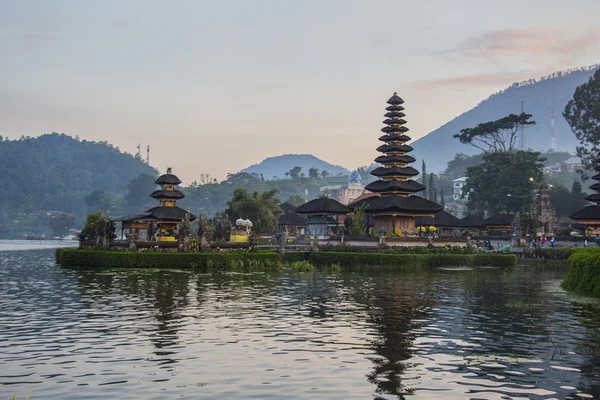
(395, 100)
(394, 158)
(291, 219)
(167, 194)
(587, 213)
(394, 171)
(167, 179)
(394, 147)
(287, 207)
(441, 219)
(500, 220)
(395, 185)
(412, 204)
(323, 205)
(473, 221)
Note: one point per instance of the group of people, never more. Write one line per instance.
(542, 241)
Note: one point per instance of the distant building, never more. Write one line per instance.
(457, 188)
(552, 169)
(574, 163)
(345, 194)
(456, 209)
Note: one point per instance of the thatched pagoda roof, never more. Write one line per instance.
(291, 219)
(414, 205)
(323, 205)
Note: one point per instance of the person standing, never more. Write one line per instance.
(543, 240)
(552, 242)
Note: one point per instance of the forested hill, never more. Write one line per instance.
(539, 97)
(56, 171)
(276, 167)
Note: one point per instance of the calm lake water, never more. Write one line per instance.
(444, 334)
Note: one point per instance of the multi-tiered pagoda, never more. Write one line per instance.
(590, 215)
(396, 207)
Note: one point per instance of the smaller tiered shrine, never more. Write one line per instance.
(161, 222)
(590, 215)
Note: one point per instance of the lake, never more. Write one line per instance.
(454, 333)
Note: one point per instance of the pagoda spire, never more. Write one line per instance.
(595, 197)
(394, 176)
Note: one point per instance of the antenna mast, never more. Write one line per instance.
(139, 151)
(553, 142)
(522, 132)
(148, 155)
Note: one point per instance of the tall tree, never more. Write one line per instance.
(442, 199)
(324, 174)
(496, 136)
(294, 173)
(562, 200)
(262, 209)
(424, 177)
(578, 196)
(431, 193)
(501, 174)
(98, 201)
(295, 200)
(138, 192)
(313, 172)
(583, 115)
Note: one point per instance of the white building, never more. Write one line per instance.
(457, 188)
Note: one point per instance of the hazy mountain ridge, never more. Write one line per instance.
(539, 97)
(276, 167)
(56, 171)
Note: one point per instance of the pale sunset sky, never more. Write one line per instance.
(214, 86)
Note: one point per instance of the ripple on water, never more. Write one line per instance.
(76, 333)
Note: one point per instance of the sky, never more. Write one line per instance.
(215, 86)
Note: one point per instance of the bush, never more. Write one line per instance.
(557, 253)
(123, 259)
(292, 257)
(583, 273)
(58, 253)
(325, 259)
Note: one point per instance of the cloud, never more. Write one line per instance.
(532, 46)
(475, 80)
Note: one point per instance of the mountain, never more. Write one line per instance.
(276, 167)
(539, 97)
(56, 172)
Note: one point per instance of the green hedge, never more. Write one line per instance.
(557, 253)
(321, 258)
(299, 256)
(583, 273)
(58, 253)
(123, 259)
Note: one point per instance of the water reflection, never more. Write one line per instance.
(454, 333)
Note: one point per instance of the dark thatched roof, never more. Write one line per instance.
(393, 137)
(500, 220)
(394, 129)
(587, 213)
(291, 219)
(394, 171)
(414, 205)
(593, 197)
(287, 207)
(394, 108)
(168, 179)
(441, 219)
(473, 221)
(398, 121)
(408, 186)
(394, 147)
(394, 114)
(169, 213)
(394, 158)
(167, 194)
(323, 205)
(395, 100)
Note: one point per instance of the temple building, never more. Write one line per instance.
(345, 194)
(397, 207)
(590, 215)
(325, 216)
(544, 212)
(160, 222)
